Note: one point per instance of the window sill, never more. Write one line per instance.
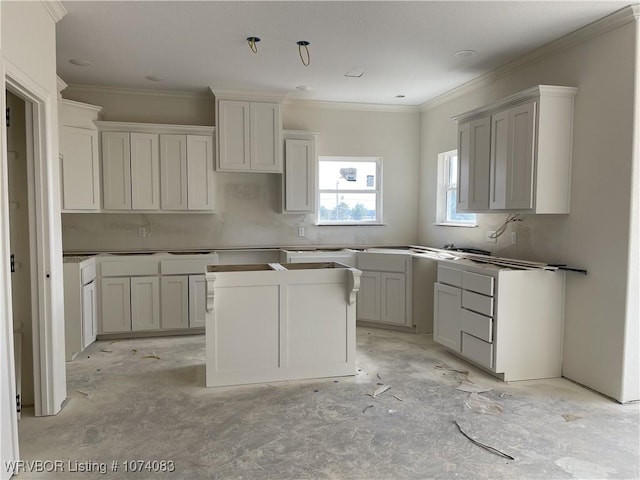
(351, 224)
(462, 225)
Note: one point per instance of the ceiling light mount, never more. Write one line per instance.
(465, 53)
(252, 41)
(80, 62)
(305, 44)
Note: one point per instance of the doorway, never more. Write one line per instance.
(20, 246)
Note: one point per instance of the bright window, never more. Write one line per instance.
(349, 190)
(447, 192)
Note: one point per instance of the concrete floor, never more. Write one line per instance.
(144, 399)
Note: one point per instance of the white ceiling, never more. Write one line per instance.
(405, 47)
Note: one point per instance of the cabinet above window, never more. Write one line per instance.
(515, 154)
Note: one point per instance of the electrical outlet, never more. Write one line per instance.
(142, 232)
(490, 238)
(514, 238)
(301, 232)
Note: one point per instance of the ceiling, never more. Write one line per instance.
(404, 47)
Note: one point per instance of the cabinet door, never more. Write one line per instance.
(519, 178)
(201, 187)
(368, 306)
(393, 298)
(173, 172)
(116, 171)
(89, 314)
(145, 303)
(234, 135)
(446, 315)
(197, 300)
(299, 176)
(145, 172)
(499, 160)
(80, 163)
(175, 301)
(116, 305)
(464, 184)
(266, 155)
(479, 163)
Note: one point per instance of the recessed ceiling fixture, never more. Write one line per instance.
(465, 53)
(154, 78)
(304, 88)
(400, 95)
(252, 41)
(79, 62)
(305, 44)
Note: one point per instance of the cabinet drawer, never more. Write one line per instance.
(477, 283)
(449, 276)
(186, 266)
(88, 273)
(477, 303)
(477, 350)
(381, 262)
(115, 268)
(477, 325)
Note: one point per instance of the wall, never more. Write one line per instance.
(596, 234)
(248, 204)
(27, 42)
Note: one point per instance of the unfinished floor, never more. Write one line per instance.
(144, 399)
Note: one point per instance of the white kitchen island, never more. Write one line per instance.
(274, 322)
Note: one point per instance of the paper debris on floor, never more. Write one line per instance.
(152, 356)
(481, 404)
(397, 398)
(483, 445)
(444, 366)
(569, 417)
(381, 389)
(367, 408)
(470, 387)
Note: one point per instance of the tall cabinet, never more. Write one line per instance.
(299, 179)
(515, 154)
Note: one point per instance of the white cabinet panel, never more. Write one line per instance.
(369, 296)
(89, 314)
(476, 282)
(173, 172)
(299, 176)
(476, 325)
(450, 276)
(234, 135)
(145, 172)
(446, 319)
(478, 303)
(80, 169)
(265, 137)
(175, 301)
(393, 298)
(477, 350)
(201, 191)
(116, 171)
(474, 163)
(197, 300)
(145, 303)
(116, 305)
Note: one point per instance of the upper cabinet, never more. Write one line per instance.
(148, 167)
(515, 155)
(80, 162)
(299, 179)
(249, 136)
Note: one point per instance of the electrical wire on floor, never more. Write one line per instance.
(512, 217)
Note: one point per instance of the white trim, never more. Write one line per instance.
(88, 106)
(248, 95)
(55, 9)
(61, 84)
(599, 27)
(205, 94)
(109, 126)
(353, 106)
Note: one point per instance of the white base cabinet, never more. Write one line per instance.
(385, 288)
(508, 322)
(145, 303)
(116, 305)
(80, 305)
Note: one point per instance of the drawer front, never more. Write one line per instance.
(478, 283)
(477, 325)
(381, 262)
(115, 268)
(477, 303)
(449, 276)
(186, 266)
(477, 350)
(88, 273)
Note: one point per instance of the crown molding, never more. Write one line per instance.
(61, 84)
(88, 106)
(110, 126)
(231, 94)
(55, 9)
(352, 106)
(606, 24)
(137, 91)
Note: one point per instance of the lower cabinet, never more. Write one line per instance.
(385, 296)
(80, 306)
(197, 300)
(89, 314)
(506, 321)
(130, 304)
(183, 301)
(145, 303)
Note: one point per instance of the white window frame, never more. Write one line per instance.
(443, 188)
(377, 191)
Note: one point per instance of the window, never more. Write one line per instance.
(349, 190)
(447, 192)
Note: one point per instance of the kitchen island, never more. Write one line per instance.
(275, 322)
